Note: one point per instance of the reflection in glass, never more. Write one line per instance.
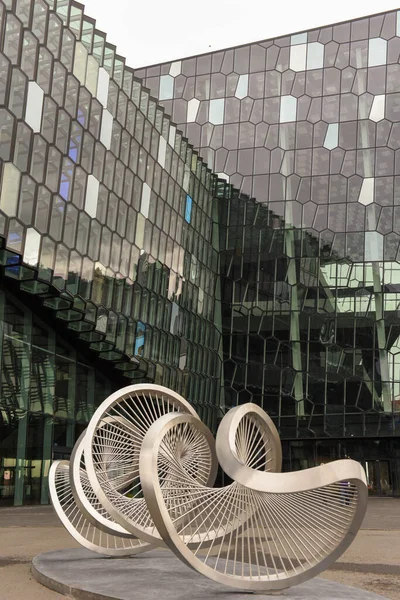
(140, 338)
(67, 175)
(29, 55)
(92, 75)
(188, 209)
(12, 38)
(17, 92)
(6, 134)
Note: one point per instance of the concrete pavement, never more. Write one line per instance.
(371, 563)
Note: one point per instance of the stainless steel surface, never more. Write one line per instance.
(146, 467)
(267, 531)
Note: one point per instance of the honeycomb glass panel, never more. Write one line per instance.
(216, 114)
(288, 109)
(253, 284)
(11, 177)
(298, 57)
(34, 106)
(166, 87)
(377, 49)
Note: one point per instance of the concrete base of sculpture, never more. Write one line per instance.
(158, 574)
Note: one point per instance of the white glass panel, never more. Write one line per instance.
(315, 56)
(398, 24)
(171, 137)
(288, 109)
(377, 52)
(139, 237)
(216, 116)
(92, 75)
(162, 148)
(193, 107)
(186, 179)
(166, 87)
(373, 246)
(10, 189)
(298, 57)
(223, 176)
(92, 196)
(106, 128)
(367, 191)
(378, 108)
(80, 62)
(32, 245)
(174, 319)
(145, 205)
(298, 38)
(209, 157)
(175, 68)
(332, 136)
(102, 87)
(34, 106)
(200, 301)
(242, 88)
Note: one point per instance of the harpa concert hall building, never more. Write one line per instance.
(227, 225)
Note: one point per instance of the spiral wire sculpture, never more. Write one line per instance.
(142, 476)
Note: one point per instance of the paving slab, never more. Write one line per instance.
(84, 575)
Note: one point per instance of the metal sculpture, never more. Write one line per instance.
(143, 472)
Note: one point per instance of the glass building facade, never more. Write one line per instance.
(307, 128)
(109, 256)
(269, 273)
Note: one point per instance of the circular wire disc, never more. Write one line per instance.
(82, 530)
(112, 447)
(85, 498)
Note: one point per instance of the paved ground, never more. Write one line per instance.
(371, 563)
(160, 574)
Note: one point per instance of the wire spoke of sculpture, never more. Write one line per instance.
(244, 537)
(81, 529)
(112, 450)
(85, 498)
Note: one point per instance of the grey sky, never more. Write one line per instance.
(157, 31)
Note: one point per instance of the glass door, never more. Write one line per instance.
(379, 478)
(385, 478)
(371, 468)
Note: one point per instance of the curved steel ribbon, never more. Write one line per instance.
(146, 465)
